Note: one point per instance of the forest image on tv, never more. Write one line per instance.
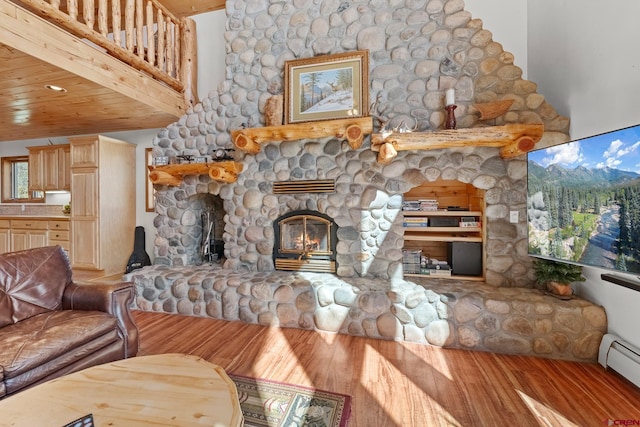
(583, 203)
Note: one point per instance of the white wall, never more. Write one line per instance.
(507, 21)
(210, 28)
(585, 59)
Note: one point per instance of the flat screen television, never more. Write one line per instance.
(583, 201)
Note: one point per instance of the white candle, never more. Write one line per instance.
(451, 96)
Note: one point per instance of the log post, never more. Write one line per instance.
(218, 172)
(245, 143)
(387, 153)
(189, 63)
(164, 178)
(518, 147)
(355, 136)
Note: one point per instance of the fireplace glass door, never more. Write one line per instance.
(305, 236)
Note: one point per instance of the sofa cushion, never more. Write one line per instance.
(32, 282)
(43, 338)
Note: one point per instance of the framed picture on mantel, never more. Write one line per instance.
(327, 87)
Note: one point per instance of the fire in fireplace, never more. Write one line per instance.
(305, 241)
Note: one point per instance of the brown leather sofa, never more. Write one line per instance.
(51, 326)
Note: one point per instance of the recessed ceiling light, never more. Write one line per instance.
(55, 88)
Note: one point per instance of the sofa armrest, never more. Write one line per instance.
(113, 298)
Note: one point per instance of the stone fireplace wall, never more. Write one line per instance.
(417, 49)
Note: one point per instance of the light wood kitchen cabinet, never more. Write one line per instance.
(59, 234)
(36, 169)
(28, 234)
(102, 203)
(5, 236)
(49, 168)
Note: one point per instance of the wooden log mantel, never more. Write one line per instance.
(353, 130)
(172, 175)
(514, 140)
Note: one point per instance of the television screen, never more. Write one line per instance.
(583, 201)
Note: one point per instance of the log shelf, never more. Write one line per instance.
(353, 130)
(172, 175)
(514, 140)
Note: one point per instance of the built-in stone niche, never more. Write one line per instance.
(199, 228)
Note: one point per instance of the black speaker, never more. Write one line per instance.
(465, 258)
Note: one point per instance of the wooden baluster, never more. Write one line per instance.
(129, 19)
(177, 55)
(88, 13)
(151, 46)
(170, 46)
(116, 17)
(160, 21)
(103, 25)
(72, 6)
(139, 24)
(55, 3)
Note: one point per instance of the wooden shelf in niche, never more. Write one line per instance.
(353, 130)
(172, 175)
(434, 241)
(515, 139)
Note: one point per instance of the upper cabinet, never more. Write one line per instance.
(49, 168)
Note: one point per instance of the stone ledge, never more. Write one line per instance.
(441, 312)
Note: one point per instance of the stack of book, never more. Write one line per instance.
(426, 205)
(411, 261)
(415, 222)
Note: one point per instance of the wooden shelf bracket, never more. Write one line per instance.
(514, 140)
(353, 130)
(172, 175)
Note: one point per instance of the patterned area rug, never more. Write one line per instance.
(275, 404)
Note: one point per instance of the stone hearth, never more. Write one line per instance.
(439, 312)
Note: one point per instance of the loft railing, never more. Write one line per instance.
(141, 33)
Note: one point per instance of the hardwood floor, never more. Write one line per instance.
(403, 384)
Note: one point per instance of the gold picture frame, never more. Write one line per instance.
(327, 87)
(150, 192)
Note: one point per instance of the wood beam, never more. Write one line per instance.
(352, 130)
(515, 139)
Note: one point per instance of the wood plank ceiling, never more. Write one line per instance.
(28, 110)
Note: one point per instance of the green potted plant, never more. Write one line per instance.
(557, 277)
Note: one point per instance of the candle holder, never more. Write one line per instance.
(450, 122)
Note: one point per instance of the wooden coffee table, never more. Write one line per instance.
(159, 390)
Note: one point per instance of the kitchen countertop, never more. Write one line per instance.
(37, 217)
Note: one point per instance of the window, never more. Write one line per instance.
(15, 181)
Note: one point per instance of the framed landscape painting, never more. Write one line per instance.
(326, 87)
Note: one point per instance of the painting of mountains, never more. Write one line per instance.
(583, 202)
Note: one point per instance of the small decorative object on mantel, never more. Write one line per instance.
(492, 110)
(450, 106)
(274, 110)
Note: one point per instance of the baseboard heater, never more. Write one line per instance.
(620, 356)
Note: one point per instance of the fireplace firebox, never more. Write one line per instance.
(305, 241)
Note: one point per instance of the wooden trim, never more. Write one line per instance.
(150, 193)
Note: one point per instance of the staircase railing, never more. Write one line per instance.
(141, 33)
